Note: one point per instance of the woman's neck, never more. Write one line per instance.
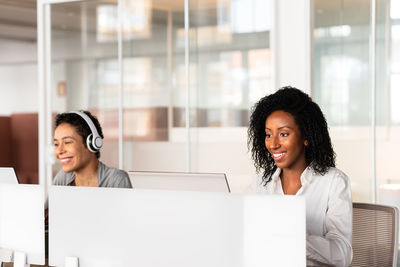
(87, 176)
(290, 180)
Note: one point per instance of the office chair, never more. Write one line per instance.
(375, 235)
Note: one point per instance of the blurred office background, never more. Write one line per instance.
(125, 61)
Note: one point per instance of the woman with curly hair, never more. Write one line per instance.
(290, 144)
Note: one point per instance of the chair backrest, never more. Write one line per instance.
(375, 235)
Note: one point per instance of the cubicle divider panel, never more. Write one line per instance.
(22, 220)
(125, 227)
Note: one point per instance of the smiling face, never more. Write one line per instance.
(70, 150)
(283, 139)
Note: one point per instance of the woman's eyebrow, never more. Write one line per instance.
(284, 127)
(63, 138)
(266, 128)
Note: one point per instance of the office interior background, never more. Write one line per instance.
(173, 84)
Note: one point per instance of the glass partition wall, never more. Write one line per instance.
(84, 68)
(342, 86)
(171, 82)
(387, 106)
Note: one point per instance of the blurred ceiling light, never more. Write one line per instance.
(340, 31)
(136, 20)
(250, 15)
(107, 23)
(333, 31)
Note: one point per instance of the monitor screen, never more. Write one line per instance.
(180, 181)
(7, 176)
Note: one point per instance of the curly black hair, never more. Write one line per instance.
(79, 123)
(311, 121)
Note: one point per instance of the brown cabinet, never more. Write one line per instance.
(19, 145)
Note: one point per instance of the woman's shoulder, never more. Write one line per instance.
(110, 170)
(336, 174)
(336, 178)
(118, 172)
(113, 177)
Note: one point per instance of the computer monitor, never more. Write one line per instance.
(179, 181)
(7, 176)
(117, 227)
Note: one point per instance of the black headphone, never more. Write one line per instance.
(94, 141)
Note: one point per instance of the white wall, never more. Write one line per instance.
(18, 76)
(212, 150)
(17, 52)
(19, 92)
(229, 158)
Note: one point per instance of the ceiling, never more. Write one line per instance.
(19, 3)
(18, 20)
(18, 17)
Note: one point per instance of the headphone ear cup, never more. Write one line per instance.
(97, 142)
(89, 143)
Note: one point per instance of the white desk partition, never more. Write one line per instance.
(22, 220)
(179, 181)
(105, 227)
(7, 176)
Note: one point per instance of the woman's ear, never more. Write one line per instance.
(305, 143)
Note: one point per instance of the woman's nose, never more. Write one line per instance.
(59, 149)
(274, 144)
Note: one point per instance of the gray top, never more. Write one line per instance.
(106, 177)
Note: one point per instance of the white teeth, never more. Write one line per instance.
(65, 160)
(278, 155)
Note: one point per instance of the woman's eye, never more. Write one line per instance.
(68, 142)
(284, 134)
(56, 145)
(267, 135)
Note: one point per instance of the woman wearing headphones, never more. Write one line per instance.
(77, 142)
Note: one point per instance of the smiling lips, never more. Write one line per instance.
(278, 156)
(64, 161)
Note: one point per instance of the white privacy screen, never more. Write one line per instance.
(123, 227)
(22, 220)
(180, 181)
(7, 176)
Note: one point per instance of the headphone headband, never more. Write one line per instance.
(94, 140)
